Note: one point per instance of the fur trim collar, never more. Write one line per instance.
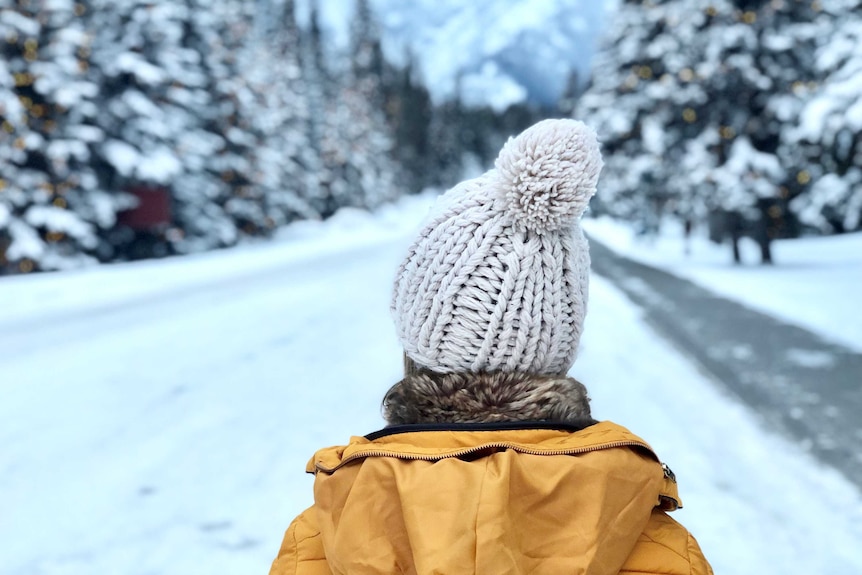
(427, 397)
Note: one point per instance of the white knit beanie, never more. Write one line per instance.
(497, 279)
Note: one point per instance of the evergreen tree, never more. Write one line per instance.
(319, 89)
(366, 55)
(157, 116)
(409, 109)
(692, 107)
(254, 74)
(447, 146)
(284, 157)
(823, 136)
(227, 110)
(52, 204)
(356, 142)
(219, 33)
(648, 101)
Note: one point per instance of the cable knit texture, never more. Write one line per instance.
(497, 280)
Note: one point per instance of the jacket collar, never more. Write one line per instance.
(455, 427)
(419, 442)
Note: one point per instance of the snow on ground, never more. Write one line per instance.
(157, 417)
(815, 282)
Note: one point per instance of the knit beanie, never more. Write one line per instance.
(497, 279)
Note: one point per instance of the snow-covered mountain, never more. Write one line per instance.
(505, 51)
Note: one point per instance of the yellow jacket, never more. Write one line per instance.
(508, 499)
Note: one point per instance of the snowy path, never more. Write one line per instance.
(803, 385)
(158, 434)
(166, 430)
(814, 283)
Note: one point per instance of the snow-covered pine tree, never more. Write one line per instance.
(20, 245)
(228, 35)
(155, 113)
(648, 101)
(320, 90)
(446, 141)
(52, 206)
(276, 105)
(366, 55)
(766, 55)
(356, 141)
(823, 133)
(409, 108)
(373, 78)
(681, 78)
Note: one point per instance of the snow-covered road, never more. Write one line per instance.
(157, 417)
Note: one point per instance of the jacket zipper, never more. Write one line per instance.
(668, 472)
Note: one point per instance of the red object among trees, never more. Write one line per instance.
(153, 209)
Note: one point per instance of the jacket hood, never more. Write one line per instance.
(517, 498)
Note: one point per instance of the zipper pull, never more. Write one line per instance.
(668, 473)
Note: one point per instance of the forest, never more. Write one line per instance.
(147, 128)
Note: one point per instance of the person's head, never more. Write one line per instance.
(495, 285)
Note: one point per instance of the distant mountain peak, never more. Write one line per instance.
(491, 51)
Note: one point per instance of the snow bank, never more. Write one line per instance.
(814, 283)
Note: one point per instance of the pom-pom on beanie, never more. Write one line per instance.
(497, 279)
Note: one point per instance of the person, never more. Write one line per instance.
(491, 461)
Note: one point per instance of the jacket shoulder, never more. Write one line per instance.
(301, 550)
(666, 548)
